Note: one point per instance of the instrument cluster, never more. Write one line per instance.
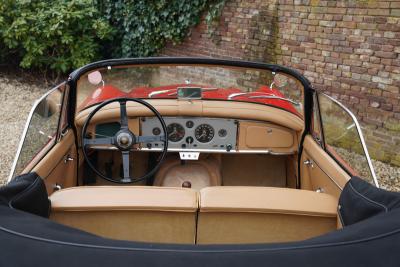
(193, 134)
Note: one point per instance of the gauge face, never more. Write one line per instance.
(189, 124)
(204, 133)
(156, 131)
(222, 133)
(175, 132)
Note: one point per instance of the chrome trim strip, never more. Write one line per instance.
(158, 92)
(269, 152)
(247, 151)
(25, 131)
(364, 146)
(274, 97)
(236, 94)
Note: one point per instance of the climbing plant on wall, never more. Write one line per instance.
(212, 18)
(143, 27)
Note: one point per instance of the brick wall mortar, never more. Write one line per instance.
(348, 49)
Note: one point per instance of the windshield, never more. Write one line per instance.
(212, 82)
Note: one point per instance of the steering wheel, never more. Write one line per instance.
(124, 140)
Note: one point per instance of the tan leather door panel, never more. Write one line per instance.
(319, 171)
(58, 167)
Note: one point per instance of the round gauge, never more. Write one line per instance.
(222, 133)
(189, 124)
(204, 133)
(175, 132)
(156, 131)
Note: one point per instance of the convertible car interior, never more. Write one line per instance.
(193, 151)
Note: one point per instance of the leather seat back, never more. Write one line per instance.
(263, 214)
(137, 213)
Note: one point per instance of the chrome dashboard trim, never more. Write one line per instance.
(243, 151)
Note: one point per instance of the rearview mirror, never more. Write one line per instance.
(189, 93)
(95, 77)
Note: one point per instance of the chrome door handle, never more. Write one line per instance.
(309, 162)
(320, 190)
(57, 187)
(68, 158)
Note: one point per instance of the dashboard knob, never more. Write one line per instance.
(156, 131)
(187, 184)
(189, 140)
(228, 147)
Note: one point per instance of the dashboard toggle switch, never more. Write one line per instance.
(189, 155)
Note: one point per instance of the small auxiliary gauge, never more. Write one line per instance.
(222, 133)
(189, 124)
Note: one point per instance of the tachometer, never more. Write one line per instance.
(175, 132)
(204, 133)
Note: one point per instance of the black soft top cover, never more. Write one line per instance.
(371, 237)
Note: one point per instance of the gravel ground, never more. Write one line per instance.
(17, 97)
(388, 175)
(16, 100)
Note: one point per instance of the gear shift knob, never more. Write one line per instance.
(187, 184)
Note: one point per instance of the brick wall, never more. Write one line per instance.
(350, 49)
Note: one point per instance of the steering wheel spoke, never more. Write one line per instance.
(150, 138)
(99, 141)
(124, 115)
(126, 167)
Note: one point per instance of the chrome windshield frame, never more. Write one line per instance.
(359, 131)
(26, 128)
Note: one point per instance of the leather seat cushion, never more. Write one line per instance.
(267, 200)
(91, 198)
(231, 215)
(148, 214)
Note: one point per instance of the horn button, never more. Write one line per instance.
(125, 140)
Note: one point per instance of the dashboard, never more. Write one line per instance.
(206, 134)
(192, 133)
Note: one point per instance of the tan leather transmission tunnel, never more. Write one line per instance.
(199, 174)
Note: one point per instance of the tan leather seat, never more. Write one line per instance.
(263, 214)
(138, 213)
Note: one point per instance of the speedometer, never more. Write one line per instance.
(204, 133)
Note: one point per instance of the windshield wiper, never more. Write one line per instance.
(266, 96)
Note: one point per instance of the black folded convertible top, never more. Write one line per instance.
(32, 240)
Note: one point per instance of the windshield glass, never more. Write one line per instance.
(198, 81)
